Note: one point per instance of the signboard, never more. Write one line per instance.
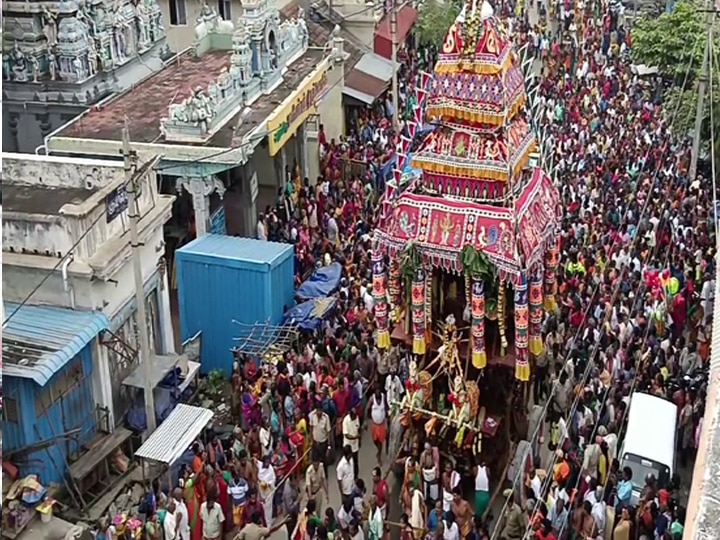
(116, 202)
(217, 221)
(297, 108)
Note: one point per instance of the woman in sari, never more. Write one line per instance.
(193, 507)
(300, 440)
(406, 530)
(266, 487)
(250, 407)
(223, 496)
(275, 421)
(307, 521)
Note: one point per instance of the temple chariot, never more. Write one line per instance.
(465, 254)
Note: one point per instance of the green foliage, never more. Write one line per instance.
(215, 381)
(434, 20)
(671, 42)
(685, 103)
(476, 264)
(409, 262)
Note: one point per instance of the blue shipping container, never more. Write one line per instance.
(225, 278)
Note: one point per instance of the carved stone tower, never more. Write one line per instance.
(62, 57)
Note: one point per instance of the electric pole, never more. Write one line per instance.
(393, 57)
(133, 179)
(702, 89)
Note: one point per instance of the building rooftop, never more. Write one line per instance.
(242, 249)
(41, 199)
(145, 104)
(263, 107)
(38, 341)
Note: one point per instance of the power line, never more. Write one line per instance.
(616, 290)
(62, 259)
(158, 170)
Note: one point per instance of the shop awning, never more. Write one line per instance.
(406, 18)
(369, 78)
(175, 434)
(377, 66)
(363, 87)
(38, 341)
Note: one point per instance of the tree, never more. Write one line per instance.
(433, 21)
(675, 44)
(672, 41)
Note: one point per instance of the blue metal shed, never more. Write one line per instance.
(226, 278)
(47, 387)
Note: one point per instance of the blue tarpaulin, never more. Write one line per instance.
(310, 314)
(323, 282)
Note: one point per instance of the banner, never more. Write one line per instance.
(289, 116)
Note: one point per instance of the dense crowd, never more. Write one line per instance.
(633, 222)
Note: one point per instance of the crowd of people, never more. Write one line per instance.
(634, 221)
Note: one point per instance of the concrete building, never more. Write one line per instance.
(231, 117)
(368, 22)
(59, 58)
(181, 16)
(67, 265)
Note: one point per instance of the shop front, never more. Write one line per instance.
(288, 148)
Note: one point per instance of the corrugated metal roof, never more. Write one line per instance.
(38, 341)
(376, 65)
(364, 87)
(175, 434)
(233, 247)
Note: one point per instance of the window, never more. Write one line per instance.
(178, 14)
(224, 10)
(9, 411)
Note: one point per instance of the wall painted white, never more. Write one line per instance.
(180, 37)
(100, 276)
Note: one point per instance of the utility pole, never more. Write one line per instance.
(393, 57)
(133, 179)
(702, 89)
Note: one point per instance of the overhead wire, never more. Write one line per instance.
(581, 327)
(61, 260)
(622, 426)
(573, 409)
(260, 136)
(160, 169)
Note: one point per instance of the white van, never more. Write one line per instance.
(649, 444)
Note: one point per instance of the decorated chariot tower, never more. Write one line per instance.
(473, 237)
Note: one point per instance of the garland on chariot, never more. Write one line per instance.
(466, 201)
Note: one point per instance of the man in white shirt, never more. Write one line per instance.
(170, 524)
(212, 518)
(393, 387)
(346, 474)
(181, 515)
(320, 430)
(598, 507)
(351, 438)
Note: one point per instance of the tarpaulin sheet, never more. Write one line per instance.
(310, 314)
(322, 282)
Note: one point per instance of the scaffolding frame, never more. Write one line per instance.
(265, 339)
